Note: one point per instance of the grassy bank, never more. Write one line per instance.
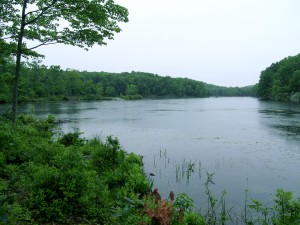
(47, 177)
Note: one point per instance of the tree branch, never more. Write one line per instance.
(44, 43)
(34, 11)
(43, 11)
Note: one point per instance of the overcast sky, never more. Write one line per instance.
(221, 42)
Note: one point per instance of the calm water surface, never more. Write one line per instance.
(246, 143)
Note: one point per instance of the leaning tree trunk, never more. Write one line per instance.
(18, 63)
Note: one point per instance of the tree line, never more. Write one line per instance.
(214, 90)
(40, 82)
(281, 80)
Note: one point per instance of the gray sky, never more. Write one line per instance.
(221, 42)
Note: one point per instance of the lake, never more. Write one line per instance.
(247, 143)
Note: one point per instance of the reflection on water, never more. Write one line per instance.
(285, 119)
(290, 129)
(279, 112)
(246, 143)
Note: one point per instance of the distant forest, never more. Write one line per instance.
(39, 82)
(281, 80)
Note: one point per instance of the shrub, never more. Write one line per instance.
(72, 139)
(69, 180)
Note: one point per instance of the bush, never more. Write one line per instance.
(72, 139)
(65, 180)
(193, 218)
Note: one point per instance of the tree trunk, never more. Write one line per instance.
(18, 63)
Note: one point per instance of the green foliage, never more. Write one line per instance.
(281, 80)
(184, 202)
(3, 200)
(64, 180)
(81, 23)
(260, 208)
(131, 89)
(294, 84)
(217, 211)
(287, 209)
(6, 80)
(40, 82)
(218, 91)
(193, 218)
(72, 139)
(52, 83)
(132, 97)
(88, 22)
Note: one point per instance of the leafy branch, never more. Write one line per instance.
(43, 11)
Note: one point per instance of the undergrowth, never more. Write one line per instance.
(47, 178)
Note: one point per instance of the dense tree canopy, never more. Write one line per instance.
(281, 80)
(216, 91)
(52, 83)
